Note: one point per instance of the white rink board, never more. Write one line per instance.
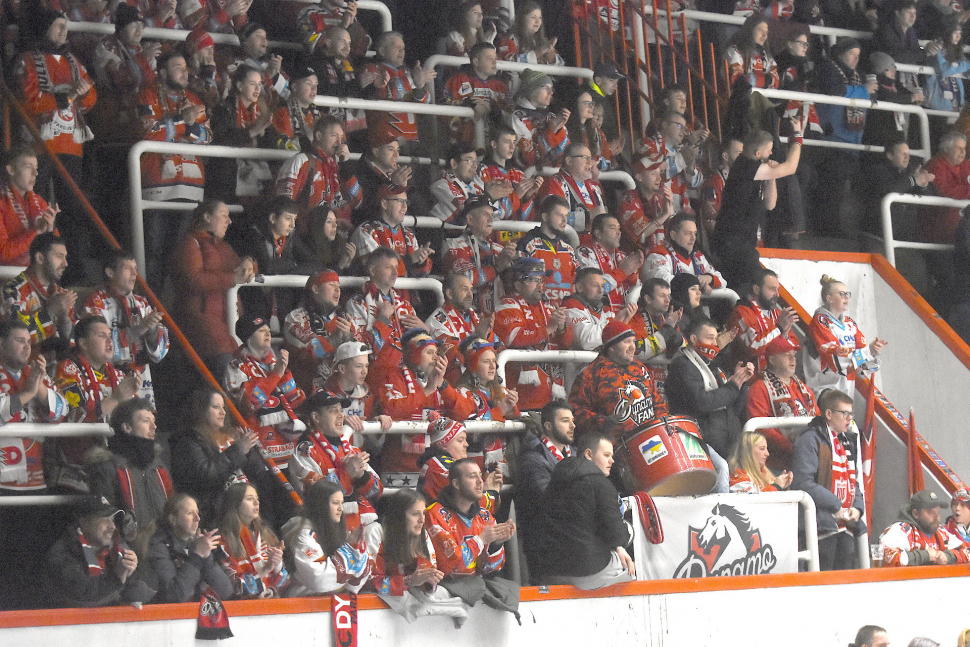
(794, 616)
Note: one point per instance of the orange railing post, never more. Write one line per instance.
(156, 303)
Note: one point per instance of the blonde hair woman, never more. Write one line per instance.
(749, 470)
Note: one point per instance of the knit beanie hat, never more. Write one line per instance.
(248, 30)
(472, 349)
(125, 14)
(843, 46)
(679, 286)
(880, 62)
(615, 331)
(442, 430)
(414, 341)
(531, 80)
(246, 326)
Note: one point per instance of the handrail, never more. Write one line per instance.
(810, 525)
(143, 285)
(890, 244)
(556, 356)
(163, 33)
(55, 430)
(296, 281)
(923, 152)
(510, 66)
(421, 426)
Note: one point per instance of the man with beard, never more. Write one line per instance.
(35, 297)
(394, 82)
(917, 539)
(90, 566)
(615, 394)
(542, 133)
(759, 320)
(475, 255)
(537, 459)
(780, 393)
(678, 254)
(410, 383)
(603, 252)
(314, 177)
(584, 536)
(456, 320)
(255, 54)
(547, 244)
(317, 22)
(695, 387)
(23, 213)
(646, 208)
(655, 326)
(587, 312)
(137, 333)
(380, 313)
(466, 538)
(378, 168)
(170, 113)
(313, 331)
(528, 321)
(575, 184)
(339, 78)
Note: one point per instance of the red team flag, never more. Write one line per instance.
(915, 466)
(868, 437)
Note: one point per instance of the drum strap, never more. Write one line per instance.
(649, 517)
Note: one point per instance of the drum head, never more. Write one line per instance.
(692, 482)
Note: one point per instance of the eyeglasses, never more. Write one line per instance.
(403, 201)
(679, 125)
(584, 157)
(847, 414)
(587, 104)
(801, 43)
(845, 295)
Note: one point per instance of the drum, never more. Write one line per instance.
(668, 458)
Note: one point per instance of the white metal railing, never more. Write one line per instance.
(890, 244)
(445, 60)
(811, 528)
(296, 281)
(56, 430)
(10, 271)
(924, 122)
(421, 426)
(568, 357)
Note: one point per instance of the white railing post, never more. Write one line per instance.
(890, 244)
(538, 356)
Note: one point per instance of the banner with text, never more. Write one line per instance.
(721, 534)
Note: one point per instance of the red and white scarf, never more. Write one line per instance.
(555, 451)
(128, 491)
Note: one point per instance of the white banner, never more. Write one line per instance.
(720, 534)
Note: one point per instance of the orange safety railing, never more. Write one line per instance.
(11, 101)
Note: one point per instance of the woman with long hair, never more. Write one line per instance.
(406, 571)
(207, 457)
(840, 348)
(748, 56)
(527, 41)
(250, 553)
(749, 467)
(583, 127)
(470, 29)
(323, 556)
(203, 267)
(330, 243)
(182, 555)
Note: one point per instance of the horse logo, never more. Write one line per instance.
(727, 544)
(634, 402)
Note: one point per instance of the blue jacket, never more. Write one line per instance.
(946, 80)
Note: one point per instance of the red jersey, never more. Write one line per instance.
(539, 144)
(399, 88)
(21, 467)
(371, 328)
(25, 298)
(18, 217)
(617, 282)
(44, 81)
(312, 178)
(770, 397)
(391, 579)
(614, 398)
(559, 259)
(451, 327)
(474, 258)
(450, 193)
(319, 457)
(377, 233)
(759, 69)
(460, 89)
(636, 214)
(711, 193)
(292, 120)
(583, 198)
(522, 325)
(757, 328)
(267, 400)
(171, 176)
(511, 207)
(307, 336)
(903, 544)
(456, 542)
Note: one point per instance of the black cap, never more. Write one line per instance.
(125, 14)
(526, 266)
(246, 326)
(472, 203)
(324, 398)
(94, 506)
(608, 70)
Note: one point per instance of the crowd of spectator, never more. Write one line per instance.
(648, 279)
